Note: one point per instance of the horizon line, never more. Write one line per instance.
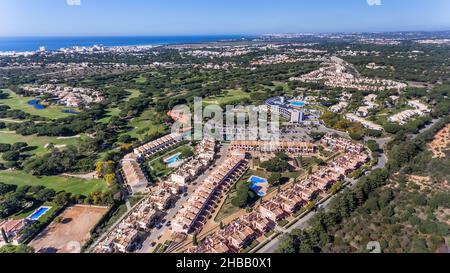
(235, 34)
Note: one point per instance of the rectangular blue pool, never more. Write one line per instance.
(38, 213)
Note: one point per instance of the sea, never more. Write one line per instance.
(23, 44)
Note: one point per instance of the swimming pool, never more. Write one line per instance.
(298, 103)
(38, 213)
(173, 159)
(259, 185)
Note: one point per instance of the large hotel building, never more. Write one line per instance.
(278, 105)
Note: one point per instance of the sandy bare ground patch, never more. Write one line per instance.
(56, 146)
(426, 182)
(443, 216)
(86, 176)
(69, 235)
(441, 143)
(69, 137)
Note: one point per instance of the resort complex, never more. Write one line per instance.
(281, 107)
(337, 75)
(291, 147)
(265, 216)
(64, 95)
(195, 210)
(275, 143)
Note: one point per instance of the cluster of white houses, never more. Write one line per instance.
(275, 59)
(337, 76)
(65, 95)
(366, 123)
(194, 212)
(404, 116)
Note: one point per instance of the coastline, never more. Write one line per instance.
(54, 43)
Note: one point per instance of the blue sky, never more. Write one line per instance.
(203, 17)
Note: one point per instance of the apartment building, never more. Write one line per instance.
(158, 145)
(137, 223)
(292, 147)
(124, 239)
(161, 197)
(130, 231)
(236, 235)
(191, 214)
(204, 155)
(291, 200)
(133, 175)
(279, 106)
(306, 190)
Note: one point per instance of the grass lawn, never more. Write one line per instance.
(111, 112)
(160, 168)
(134, 93)
(306, 162)
(21, 103)
(227, 208)
(57, 183)
(145, 124)
(229, 96)
(141, 79)
(37, 141)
